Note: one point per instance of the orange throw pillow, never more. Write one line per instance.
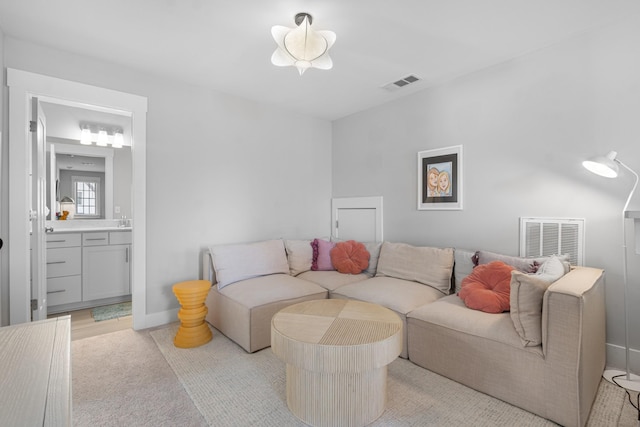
(488, 287)
(350, 257)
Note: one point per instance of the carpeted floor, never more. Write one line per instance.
(219, 384)
(121, 379)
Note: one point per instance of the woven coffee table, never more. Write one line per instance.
(337, 352)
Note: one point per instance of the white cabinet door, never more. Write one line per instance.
(105, 271)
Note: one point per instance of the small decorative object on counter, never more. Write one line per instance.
(68, 205)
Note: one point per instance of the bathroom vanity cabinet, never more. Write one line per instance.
(87, 269)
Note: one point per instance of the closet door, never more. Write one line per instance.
(357, 218)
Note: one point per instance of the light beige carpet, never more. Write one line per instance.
(121, 379)
(232, 388)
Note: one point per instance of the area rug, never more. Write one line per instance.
(231, 387)
(122, 379)
(112, 311)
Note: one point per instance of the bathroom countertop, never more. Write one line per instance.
(85, 229)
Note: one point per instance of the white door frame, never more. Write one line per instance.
(22, 86)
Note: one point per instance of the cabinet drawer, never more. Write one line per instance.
(63, 240)
(120, 238)
(64, 262)
(64, 290)
(95, 239)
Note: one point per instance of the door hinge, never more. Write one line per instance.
(32, 126)
(34, 304)
(337, 224)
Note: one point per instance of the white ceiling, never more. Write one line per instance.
(226, 44)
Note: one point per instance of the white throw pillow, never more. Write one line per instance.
(299, 255)
(233, 263)
(551, 270)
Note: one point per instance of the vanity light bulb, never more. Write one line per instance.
(117, 140)
(102, 138)
(85, 136)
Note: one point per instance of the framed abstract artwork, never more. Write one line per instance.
(440, 179)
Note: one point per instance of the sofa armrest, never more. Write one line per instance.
(569, 303)
(208, 273)
(578, 281)
(574, 337)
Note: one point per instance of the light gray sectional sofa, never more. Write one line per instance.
(546, 356)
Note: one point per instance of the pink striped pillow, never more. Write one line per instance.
(322, 255)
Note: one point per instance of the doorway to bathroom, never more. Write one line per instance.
(24, 87)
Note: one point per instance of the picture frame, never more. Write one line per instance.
(444, 190)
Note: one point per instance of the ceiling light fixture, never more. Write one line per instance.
(302, 47)
(102, 135)
(85, 136)
(118, 139)
(102, 138)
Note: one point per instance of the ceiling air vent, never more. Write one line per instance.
(401, 83)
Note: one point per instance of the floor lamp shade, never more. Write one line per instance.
(608, 166)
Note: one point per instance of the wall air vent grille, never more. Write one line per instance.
(401, 83)
(549, 236)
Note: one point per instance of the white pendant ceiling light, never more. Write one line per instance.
(302, 47)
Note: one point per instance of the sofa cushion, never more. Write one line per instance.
(463, 265)
(526, 265)
(233, 263)
(299, 255)
(450, 312)
(243, 311)
(374, 254)
(426, 265)
(487, 287)
(401, 296)
(263, 290)
(331, 280)
(321, 260)
(350, 257)
(527, 292)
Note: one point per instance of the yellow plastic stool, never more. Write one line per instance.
(193, 330)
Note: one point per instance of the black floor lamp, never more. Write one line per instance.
(608, 167)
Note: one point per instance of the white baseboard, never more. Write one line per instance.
(156, 319)
(616, 358)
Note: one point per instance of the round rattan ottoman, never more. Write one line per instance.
(337, 352)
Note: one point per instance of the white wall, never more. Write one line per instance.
(4, 194)
(122, 169)
(220, 169)
(525, 125)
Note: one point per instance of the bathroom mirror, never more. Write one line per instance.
(98, 179)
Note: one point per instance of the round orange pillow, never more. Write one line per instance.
(488, 287)
(350, 257)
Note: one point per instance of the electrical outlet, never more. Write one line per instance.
(117, 209)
